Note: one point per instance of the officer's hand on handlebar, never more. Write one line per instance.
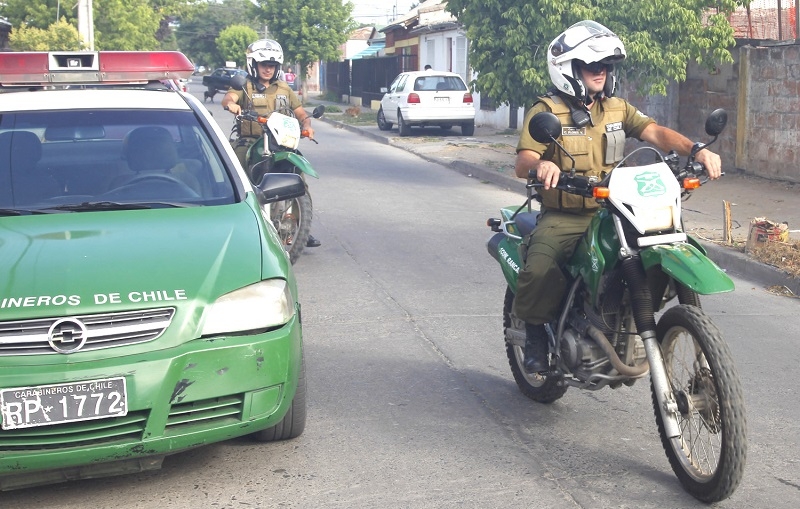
(547, 172)
(711, 161)
(234, 108)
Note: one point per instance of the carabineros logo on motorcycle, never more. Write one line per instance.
(650, 184)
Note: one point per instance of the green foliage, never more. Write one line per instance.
(60, 36)
(199, 29)
(509, 39)
(36, 13)
(233, 41)
(118, 25)
(125, 25)
(308, 30)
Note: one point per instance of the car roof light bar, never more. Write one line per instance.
(81, 67)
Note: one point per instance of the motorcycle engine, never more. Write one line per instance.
(582, 355)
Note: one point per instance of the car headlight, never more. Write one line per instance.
(259, 306)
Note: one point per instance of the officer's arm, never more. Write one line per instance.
(230, 103)
(666, 139)
(547, 172)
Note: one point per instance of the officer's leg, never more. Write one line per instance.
(542, 284)
(312, 241)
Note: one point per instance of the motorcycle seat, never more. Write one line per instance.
(526, 222)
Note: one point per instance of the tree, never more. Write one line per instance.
(308, 30)
(509, 39)
(198, 30)
(60, 36)
(125, 25)
(233, 41)
(37, 13)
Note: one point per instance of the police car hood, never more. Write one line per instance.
(93, 262)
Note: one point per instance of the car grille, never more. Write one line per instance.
(77, 434)
(107, 330)
(205, 413)
(185, 417)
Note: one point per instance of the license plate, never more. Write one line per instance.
(444, 100)
(45, 405)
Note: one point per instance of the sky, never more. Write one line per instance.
(380, 12)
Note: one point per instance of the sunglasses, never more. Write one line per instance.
(598, 67)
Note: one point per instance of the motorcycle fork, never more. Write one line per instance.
(644, 316)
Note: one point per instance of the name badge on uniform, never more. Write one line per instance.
(573, 131)
(614, 126)
(258, 96)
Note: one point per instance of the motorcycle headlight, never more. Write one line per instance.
(259, 306)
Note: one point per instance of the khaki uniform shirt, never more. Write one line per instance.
(596, 148)
(277, 97)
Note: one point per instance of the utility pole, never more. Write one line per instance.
(86, 23)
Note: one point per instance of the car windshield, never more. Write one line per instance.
(440, 83)
(100, 160)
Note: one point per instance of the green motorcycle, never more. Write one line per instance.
(635, 260)
(277, 152)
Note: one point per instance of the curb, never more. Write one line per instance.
(730, 260)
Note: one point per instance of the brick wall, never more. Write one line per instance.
(761, 93)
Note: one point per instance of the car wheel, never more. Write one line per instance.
(383, 125)
(468, 128)
(404, 128)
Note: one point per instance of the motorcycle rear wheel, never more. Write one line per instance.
(543, 389)
(292, 220)
(709, 455)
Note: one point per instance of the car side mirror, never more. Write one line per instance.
(544, 127)
(238, 81)
(281, 186)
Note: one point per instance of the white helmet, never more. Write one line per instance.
(589, 42)
(264, 50)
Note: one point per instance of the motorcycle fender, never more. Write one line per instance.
(688, 265)
(297, 160)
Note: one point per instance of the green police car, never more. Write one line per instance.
(146, 303)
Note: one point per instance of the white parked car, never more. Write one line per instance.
(427, 98)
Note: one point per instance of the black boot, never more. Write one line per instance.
(535, 349)
(312, 242)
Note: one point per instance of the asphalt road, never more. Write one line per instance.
(411, 401)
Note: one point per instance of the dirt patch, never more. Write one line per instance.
(784, 255)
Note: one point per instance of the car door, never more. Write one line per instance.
(392, 98)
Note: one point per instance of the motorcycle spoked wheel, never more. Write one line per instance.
(292, 220)
(709, 455)
(543, 389)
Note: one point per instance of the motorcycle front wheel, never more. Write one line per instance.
(544, 389)
(709, 454)
(292, 220)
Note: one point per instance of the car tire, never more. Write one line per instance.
(468, 128)
(383, 125)
(402, 126)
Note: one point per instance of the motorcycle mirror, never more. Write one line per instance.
(318, 111)
(238, 81)
(544, 127)
(716, 122)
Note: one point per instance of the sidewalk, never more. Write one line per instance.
(489, 156)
